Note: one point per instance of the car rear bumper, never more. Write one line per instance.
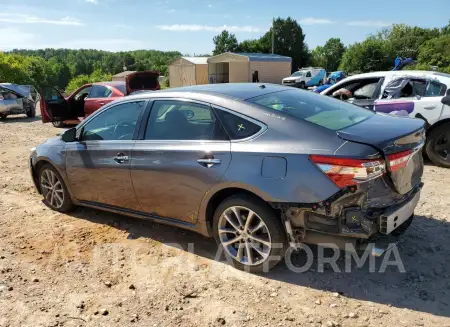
(353, 224)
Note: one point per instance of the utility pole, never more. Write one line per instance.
(273, 35)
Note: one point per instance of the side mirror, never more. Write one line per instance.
(70, 135)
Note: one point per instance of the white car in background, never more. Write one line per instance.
(306, 77)
(417, 94)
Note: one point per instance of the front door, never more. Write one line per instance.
(184, 152)
(98, 165)
(54, 107)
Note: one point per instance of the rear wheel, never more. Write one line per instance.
(58, 123)
(438, 146)
(31, 113)
(250, 233)
(56, 195)
(302, 85)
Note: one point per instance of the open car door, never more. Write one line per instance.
(54, 107)
(140, 81)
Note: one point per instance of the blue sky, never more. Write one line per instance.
(189, 25)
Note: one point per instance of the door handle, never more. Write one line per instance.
(209, 162)
(102, 103)
(429, 107)
(121, 158)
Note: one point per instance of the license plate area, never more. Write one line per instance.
(392, 220)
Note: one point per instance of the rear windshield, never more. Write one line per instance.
(318, 109)
(121, 87)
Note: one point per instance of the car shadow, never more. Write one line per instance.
(423, 249)
(19, 119)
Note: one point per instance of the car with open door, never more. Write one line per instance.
(417, 94)
(17, 99)
(258, 167)
(84, 101)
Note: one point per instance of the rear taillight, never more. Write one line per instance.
(346, 171)
(399, 160)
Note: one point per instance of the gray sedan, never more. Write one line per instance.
(258, 167)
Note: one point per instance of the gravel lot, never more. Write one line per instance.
(98, 269)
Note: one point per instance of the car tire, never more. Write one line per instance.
(54, 190)
(58, 124)
(302, 85)
(259, 244)
(439, 139)
(3, 117)
(31, 113)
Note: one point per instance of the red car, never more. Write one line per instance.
(87, 99)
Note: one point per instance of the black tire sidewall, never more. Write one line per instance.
(31, 113)
(429, 148)
(302, 85)
(58, 124)
(273, 223)
(67, 204)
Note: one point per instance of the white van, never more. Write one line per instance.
(306, 77)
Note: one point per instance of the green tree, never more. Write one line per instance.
(333, 51)
(435, 52)
(404, 40)
(289, 41)
(369, 55)
(225, 42)
(254, 46)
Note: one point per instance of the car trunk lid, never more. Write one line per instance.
(146, 80)
(400, 140)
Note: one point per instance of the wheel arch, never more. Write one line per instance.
(436, 125)
(219, 196)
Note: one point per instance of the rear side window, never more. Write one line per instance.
(323, 111)
(237, 128)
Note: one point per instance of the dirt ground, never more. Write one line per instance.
(91, 268)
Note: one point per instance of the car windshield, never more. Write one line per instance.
(323, 111)
(299, 73)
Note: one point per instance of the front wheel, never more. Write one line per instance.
(3, 117)
(31, 113)
(58, 123)
(302, 85)
(437, 147)
(250, 233)
(56, 195)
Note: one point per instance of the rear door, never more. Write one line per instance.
(416, 97)
(146, 80)
(182, 154)
(99, 95)
(54, 107)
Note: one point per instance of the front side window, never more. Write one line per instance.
(308, 74)
(435, 89)
(116, 123)
(323, 111)
(180, 120)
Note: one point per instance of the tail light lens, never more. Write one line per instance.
(349, 172)
(399, 160)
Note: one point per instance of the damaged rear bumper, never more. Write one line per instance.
(346, 220)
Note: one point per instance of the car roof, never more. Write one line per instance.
(240, 91)
(399, 72)
(111, 83)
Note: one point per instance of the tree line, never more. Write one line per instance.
(429, 47)
(68, 69)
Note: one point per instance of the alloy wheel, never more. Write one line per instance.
(52, 188)
(244, 235)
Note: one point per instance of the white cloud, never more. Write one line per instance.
(117, 44)
(369, 23)
(209, 6)
(95, 2)
(315, 21)
(209, 28)
(28, 19)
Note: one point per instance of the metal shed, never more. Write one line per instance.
(241, 67)
(188, 71)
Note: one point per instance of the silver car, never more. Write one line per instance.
(17, 99)
(258, 167)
